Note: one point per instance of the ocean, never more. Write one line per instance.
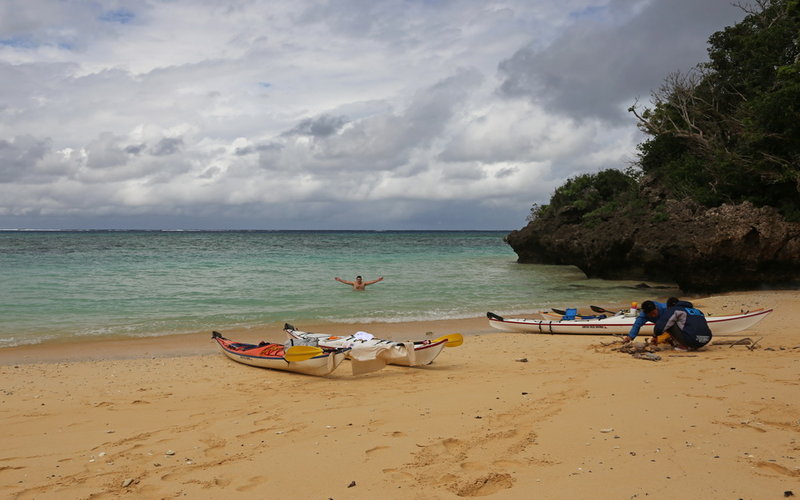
(80, 284)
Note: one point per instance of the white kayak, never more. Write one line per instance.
(618, 324)
(364, 346)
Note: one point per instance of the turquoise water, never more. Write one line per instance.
(142, 283)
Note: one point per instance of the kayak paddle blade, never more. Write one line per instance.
(301, 353)
(453, 339)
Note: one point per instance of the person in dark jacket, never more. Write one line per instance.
(686, 325)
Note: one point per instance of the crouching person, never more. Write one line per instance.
(686, 325)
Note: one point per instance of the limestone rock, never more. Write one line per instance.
(731, 247)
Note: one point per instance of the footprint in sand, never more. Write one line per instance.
(780, 469)
(377, 448)
(212, 445)
(507, 464)
(505, 434)
(452, 445)
(398, 475)
(218, 482)
(484, 485)
(252, 483)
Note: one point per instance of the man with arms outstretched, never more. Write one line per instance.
(359, 283)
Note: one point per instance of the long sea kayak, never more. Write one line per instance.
(619, 324)
(301, 359)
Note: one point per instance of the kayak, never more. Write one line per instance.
(363, 346)
(618, 324)
(300, 359)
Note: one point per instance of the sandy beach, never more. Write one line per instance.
(502, 416)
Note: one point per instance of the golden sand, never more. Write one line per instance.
(172, 417)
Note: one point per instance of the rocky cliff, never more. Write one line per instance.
(731, 247)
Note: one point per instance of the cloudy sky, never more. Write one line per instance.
(315, 114)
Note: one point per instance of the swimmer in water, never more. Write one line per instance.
(359, 283)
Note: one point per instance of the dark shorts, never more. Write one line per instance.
(689, 341)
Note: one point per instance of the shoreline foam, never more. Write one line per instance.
(194, 343)
(199, 343)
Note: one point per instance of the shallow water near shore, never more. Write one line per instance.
(74, 284)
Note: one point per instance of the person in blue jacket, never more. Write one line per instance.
(650, 311)
(686, 325)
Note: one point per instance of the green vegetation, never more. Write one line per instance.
(726, 132)
(591, 197)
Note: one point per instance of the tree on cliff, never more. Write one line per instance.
(729, 131)
(726, 132)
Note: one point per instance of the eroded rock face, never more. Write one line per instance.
(732, 247)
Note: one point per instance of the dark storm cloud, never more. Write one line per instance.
(321, 126)
(105, 152)
(385, 141)
(134, 149)
(19, 156)
(609, 57)
(167, 146)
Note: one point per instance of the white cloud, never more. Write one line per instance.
(351, 114)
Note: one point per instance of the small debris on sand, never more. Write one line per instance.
(649, 356)
(744, 341)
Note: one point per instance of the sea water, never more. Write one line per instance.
(71, 284)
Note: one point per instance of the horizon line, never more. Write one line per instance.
(178, 230)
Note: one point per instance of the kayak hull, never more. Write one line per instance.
(619, 324)
(272, 356)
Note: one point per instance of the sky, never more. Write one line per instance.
(315, 114)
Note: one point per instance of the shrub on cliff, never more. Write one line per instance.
(588, 197)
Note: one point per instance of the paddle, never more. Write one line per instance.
(453, 339)
(301, 353)
(598, 309)
(559, 311)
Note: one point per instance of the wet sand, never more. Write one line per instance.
(505, 415)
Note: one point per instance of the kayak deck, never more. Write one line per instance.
(416, 353)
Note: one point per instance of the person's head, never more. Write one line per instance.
(649, 308)
(358, 278)
(672, 301)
